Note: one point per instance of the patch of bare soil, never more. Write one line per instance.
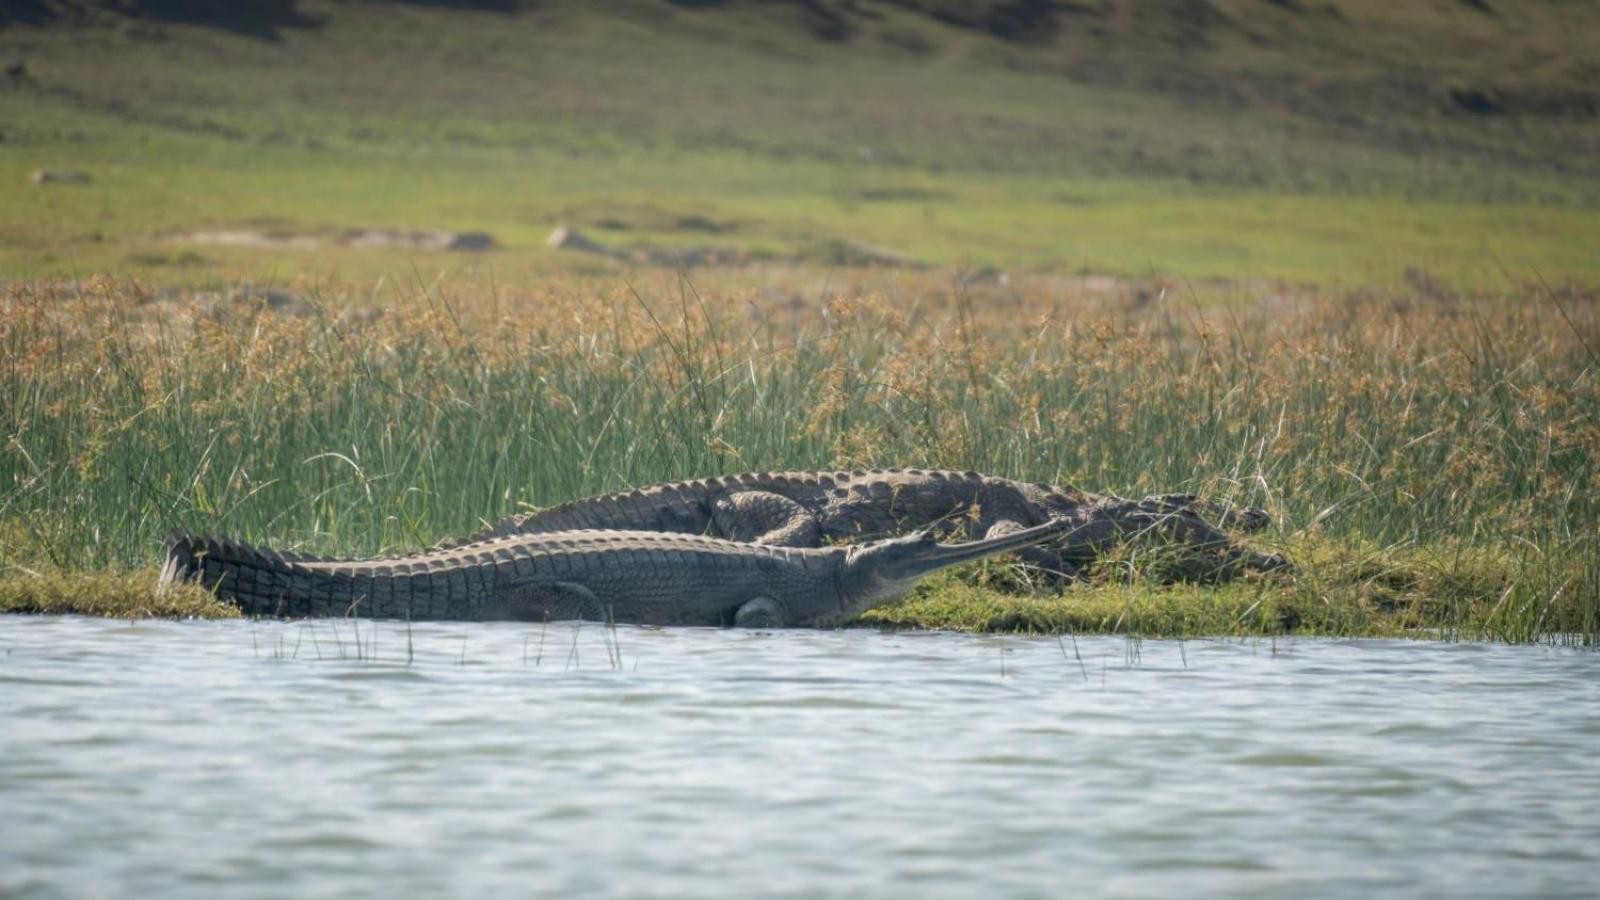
(59, 176)
(405, 238)
(248, 238)
(568, 238)
(419, 239)
(849, 254)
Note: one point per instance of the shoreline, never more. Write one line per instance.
(1325, 598)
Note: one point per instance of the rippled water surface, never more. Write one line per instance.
(163, 759)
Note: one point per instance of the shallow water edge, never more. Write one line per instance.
(266, 758)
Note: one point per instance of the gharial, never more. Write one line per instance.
(647, 578)
(812, 509)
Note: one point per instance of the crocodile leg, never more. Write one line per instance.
(1048, 561)
(762, 612)
(762, 517)
(574, 601)
(1004, 509)
(558, 601)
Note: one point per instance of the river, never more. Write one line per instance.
(192, 759)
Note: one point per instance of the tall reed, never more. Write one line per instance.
(1466, 426)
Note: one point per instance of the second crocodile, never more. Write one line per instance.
(814, 509)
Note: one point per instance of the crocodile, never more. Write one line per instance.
(648, 578)
(814, 509)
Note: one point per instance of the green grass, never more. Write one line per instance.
(126, 594)
(1445, 450)
(1154, 144)
(1340, 589)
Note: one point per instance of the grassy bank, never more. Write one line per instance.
(1343, 144)
(1340, 589)
(1432, 462)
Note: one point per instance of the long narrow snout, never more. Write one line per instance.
(881, 571)
(943, 556)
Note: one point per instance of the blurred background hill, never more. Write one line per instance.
(1330, 141)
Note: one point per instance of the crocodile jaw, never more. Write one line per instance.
(883, 571)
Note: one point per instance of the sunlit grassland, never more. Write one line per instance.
(132, 220)
(1432, 463)
(968, 151)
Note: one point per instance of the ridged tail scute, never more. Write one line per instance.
(234, 570)
(181, 561)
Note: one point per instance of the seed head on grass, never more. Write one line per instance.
(1449, 446)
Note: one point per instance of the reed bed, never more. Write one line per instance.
(1431, 459)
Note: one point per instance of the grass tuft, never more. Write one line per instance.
(118, 593)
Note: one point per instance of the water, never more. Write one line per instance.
(185, 759)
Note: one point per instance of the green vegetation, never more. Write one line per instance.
(1434, 464)
(1351, 248)
(1340, 589)
(121, 593)
(1338, 142)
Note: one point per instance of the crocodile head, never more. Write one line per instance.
(877, 572)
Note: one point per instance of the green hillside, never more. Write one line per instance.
(1338, 141)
